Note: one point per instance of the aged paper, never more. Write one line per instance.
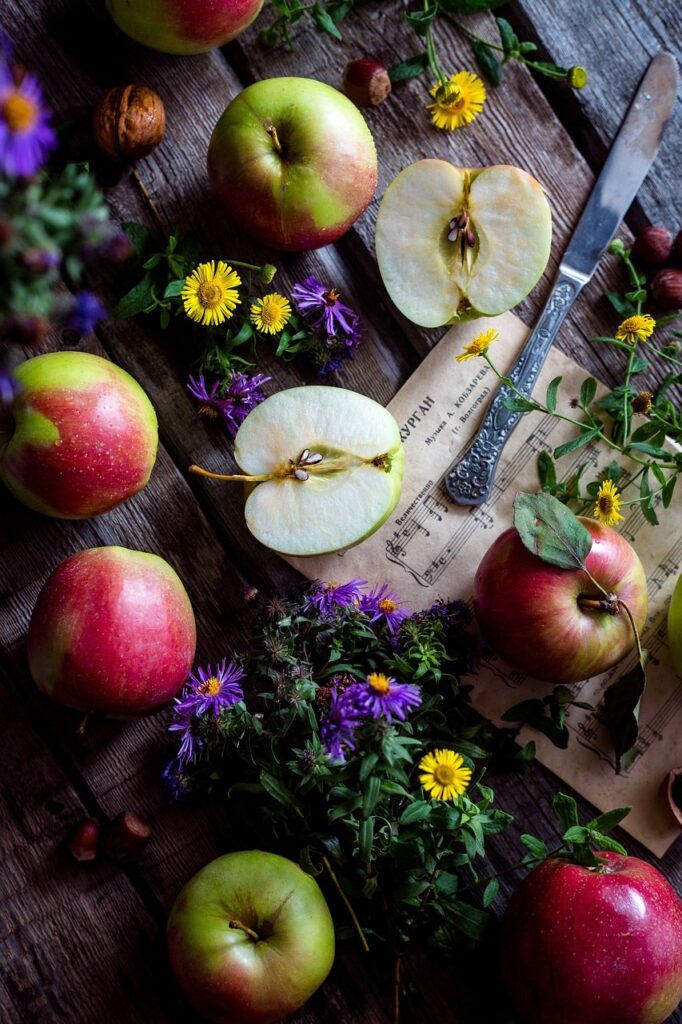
(430, 548)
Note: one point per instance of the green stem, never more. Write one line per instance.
(434, 64)
(663, 355)
(347, 903)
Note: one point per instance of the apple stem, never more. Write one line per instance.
(609, 603)
(245, 928)
(349, 908)
(627, 611)
(272, 132)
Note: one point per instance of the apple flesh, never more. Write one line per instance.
(341, 492)
(80, 437)
(293, 163)
(113, 631)
(275, 954)
(183, 26)
(593, 946)
(533, 615)
(675, 626)
(453, 243)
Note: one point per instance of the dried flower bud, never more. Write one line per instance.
(577, 77)
(616, 247)
(126, 835)
(366, 82)
(666, 288)
(653, 246)
(129, 122)
(84, 841)
(642, 402)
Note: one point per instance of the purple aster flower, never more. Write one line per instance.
(86, 313)
(337, 730)
(190, 744)
(322, 306)
(171, 778)
(383, 603)
(26, 136)
(381, 696)
(325, 597)
(211, 690)
(232, 402)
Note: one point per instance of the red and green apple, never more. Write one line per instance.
(585, 945)
(79, 438)
(540, 618)
(675, 626)
(183, 26)
(250, 938)
(112, 631)
(293, 163)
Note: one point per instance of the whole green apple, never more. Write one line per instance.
(293, 163)
(183, 26)
(675, 626)
(80, 437)
(250, 938)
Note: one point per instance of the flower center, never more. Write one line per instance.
(269, 313)
(379, 682)
(450, 98)
(444, 774)
(387, 605)
(606, 504)
(208, 410)
(19, 113)
(331, 296)
(210, 294)
(210, 687)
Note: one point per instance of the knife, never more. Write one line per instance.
(469, 481)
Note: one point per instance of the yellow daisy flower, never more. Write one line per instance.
(480, 344)
(271, 313)
(636, 328)
(210, 293)
(457, 101)
(608, 503)
(443, 775)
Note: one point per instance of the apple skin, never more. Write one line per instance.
(225, 974)
(584, 947)
(183, 26)
(675, 626)
(113, 631)
(527, 609)
(324, 178)
(80, 438)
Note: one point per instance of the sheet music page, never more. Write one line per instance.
(430, 548)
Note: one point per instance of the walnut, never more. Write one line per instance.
(129, 122)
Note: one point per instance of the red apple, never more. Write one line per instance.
(250, 938)
(293, 162)
(112, 630)
(183, 26)
(80, 437)
(593, 945)
(533, 614)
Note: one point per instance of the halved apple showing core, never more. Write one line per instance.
(455, 243)
(324, 468)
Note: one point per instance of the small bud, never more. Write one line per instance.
(577, 77)
(267, 273)
(653, 246)
(616, 248)
(126, 835)
(84, 841)
(366, 82)
(642, 402)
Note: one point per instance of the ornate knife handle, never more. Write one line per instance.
(470, 479)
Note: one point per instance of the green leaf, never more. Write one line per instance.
(609, 819)
(546, 472)
(490, 892)
(527, 47)
(552, 389)
(421, 21)
(588, 390)
(508, 36)
(523, 711)
(367, 765)
(621, 305)
(366, 838)
(371, 795)
(606, 843)
(173, 288)
(152, 262)
(650, 449)
(410, 68)
(535, 847)
(566, 810)
(277, 790)
(325, 22)
(576, 834)
(488, 62)
(164, 318)
(417, 811)
(518, 404)
(621, 711)
(588, 435)
(551, 531)
(469, 920)
(667, 492)
(134, 301)
(139, 235)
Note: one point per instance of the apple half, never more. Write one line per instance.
(453, 243)
(324, 469)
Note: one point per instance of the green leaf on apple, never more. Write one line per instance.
(620, 713)
(551, 531)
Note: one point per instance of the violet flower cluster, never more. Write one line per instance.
(352, 706)
(336, 325)
(230, 400)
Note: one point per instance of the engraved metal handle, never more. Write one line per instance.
(470, 480)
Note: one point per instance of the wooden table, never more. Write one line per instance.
(85, 943)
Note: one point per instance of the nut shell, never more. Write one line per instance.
(653, 246)
(129, 122)
(366, 82)
(126, 835)
(666, 288)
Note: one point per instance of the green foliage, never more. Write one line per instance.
(580, 844)
(551, 531)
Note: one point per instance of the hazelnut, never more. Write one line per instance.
(84, 841)
(666, 288)
(653, 246)
(366, 82)
(126, 835)
(129, 122)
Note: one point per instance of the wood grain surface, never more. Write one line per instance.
(84, 943)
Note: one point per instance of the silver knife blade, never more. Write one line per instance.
(470, 480)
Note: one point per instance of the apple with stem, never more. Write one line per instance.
(554, 623)
(454, 243)
(183, 26)
(293, 163)
(79, 438)
(593, 945)
(113, 631)
(324, 467)
(250, 938)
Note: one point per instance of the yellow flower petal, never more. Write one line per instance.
(636, 328)
(210, 293)
(271, 313)
(607, 504)
(443, 775)
(478, 346)
(457, 101)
